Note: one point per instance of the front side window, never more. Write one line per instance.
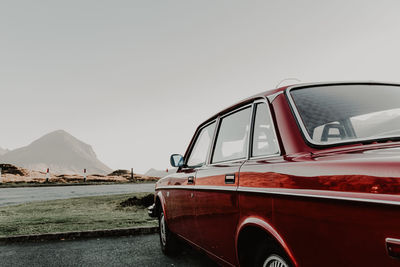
(264, 139)
(233, 136)
(198, 155)
(342, 113)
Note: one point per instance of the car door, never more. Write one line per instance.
(181, 215)
(258, 171)
(216, 184)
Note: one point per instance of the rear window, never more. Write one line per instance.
(342, 113)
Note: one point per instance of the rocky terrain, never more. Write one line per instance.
(11, 174)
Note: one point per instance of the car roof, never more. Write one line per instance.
(271, 92)
(246, 100)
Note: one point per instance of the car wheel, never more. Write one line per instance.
(271, 256)
(168, 240)
(275, 261)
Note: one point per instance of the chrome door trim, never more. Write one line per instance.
(322, 194)
(200, 187)
(301, 193)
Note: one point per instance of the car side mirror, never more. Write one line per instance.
(176, 160)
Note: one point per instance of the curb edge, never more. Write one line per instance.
(81, 234)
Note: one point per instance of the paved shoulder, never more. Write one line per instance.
(117, 251)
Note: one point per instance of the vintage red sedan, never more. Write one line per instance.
(305, 175)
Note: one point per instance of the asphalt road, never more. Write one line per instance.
(12, 196)
(117, 251)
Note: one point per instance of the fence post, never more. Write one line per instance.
(84, 175)
(132, 173)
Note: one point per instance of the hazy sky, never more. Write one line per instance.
(135, 78)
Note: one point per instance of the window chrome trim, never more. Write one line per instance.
(251, 139)
(220, 118)
(212, 145)
(241, 160)
(197, 133)
(301, 124)
(266, 157)
(272, 97)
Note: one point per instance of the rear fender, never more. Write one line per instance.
(265, 226)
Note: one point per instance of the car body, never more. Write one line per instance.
(309, 178)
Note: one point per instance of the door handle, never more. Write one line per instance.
(190, 179)
(230, 178)
(393, 247)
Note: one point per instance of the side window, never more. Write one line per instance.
(199, 152)
(264, 140)
(232, 136)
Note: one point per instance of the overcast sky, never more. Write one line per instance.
(135, 78)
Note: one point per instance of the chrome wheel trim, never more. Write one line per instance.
(275, 261)
(163, 232)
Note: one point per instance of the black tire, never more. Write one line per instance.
(269, 254)
(168, 241)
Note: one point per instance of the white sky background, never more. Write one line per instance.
(135, 78)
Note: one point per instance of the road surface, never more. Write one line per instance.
(13, 196)
(116, 251)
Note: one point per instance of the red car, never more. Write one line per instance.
(305, 175)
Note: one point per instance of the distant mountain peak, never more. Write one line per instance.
(59, 151)
(3, 151)
(57, 133)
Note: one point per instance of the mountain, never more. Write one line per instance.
(59, 151)
(3, 151)
(157, 173)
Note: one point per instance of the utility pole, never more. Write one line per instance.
(47, 175)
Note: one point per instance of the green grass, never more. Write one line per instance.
(77, 214)
(35, 184)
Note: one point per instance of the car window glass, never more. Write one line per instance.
(232, 136)
(332, 131)
(340, 113)
(264, 140)
(200, 149)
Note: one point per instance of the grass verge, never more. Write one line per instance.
(76, 214)
(34, 184)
